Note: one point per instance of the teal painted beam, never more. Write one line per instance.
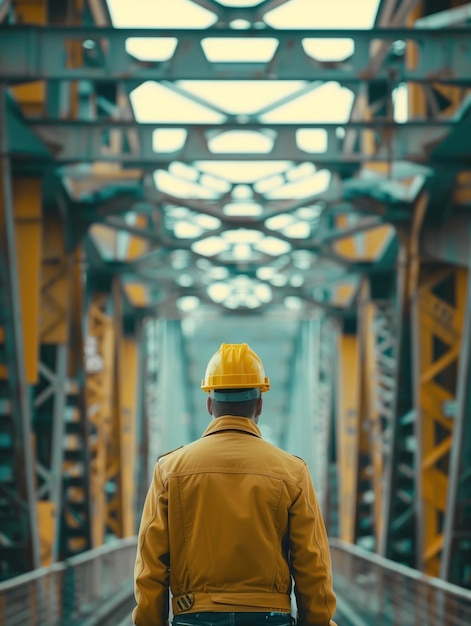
(32, 53)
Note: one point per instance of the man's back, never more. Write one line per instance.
(229, 496)
(236, 517)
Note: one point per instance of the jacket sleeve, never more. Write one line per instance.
(151, 572)
(310, 557)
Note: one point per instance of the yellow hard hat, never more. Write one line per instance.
(235, 366)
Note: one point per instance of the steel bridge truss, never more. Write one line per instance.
(74, 355)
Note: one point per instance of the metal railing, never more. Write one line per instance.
(69, 592)
(381, 591)
(385, 592)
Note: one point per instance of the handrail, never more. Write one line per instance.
(103, 550)
(66, 593)
(380, 590)
(387, 592)
(40, 572)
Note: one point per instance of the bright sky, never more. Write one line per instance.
(309, 14)
(268, 102)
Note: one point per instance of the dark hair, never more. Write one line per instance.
(245, 408)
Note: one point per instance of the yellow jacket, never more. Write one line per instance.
(227, 520)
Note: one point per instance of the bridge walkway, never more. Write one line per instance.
(96, 589)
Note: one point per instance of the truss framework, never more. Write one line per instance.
(50, 392)
(456, 543)
(438, 322)
(79, 65)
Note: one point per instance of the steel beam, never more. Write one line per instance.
(48, 126)
(86, 143)
(35, 53)
(381, 356)
(27, 197)
(31, 97)
(226, 14)
(456, 557)
(120, 456)
(152, 436)
(450, 241)
(127, 382)
(51, 388)
(439, 308)
(99, 367)
(162, 240)
(447, 18)
(49, 420)
(19, 551)
(319, 355)
(397, 541)
(347, 431)
(81, 140)
(145, 397)
(76, 523)
(365, 510)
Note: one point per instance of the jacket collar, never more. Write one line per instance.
(231, 422)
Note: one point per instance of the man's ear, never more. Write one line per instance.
(209, 405)
(259, 406)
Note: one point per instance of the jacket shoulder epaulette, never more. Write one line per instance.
(169, 452)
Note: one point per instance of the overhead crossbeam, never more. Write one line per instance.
(36, 53)
(93, 142)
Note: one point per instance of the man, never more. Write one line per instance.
(229, 519)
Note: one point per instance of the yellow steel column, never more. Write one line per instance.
(121, 448)
(50, 392)
(99, 398)
(439, 306)
(347, 430)
(416, 99)
(55, 300)
(27, 198)
(128, 382)
(27, 207)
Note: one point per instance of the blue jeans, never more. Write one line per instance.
(233, 619)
